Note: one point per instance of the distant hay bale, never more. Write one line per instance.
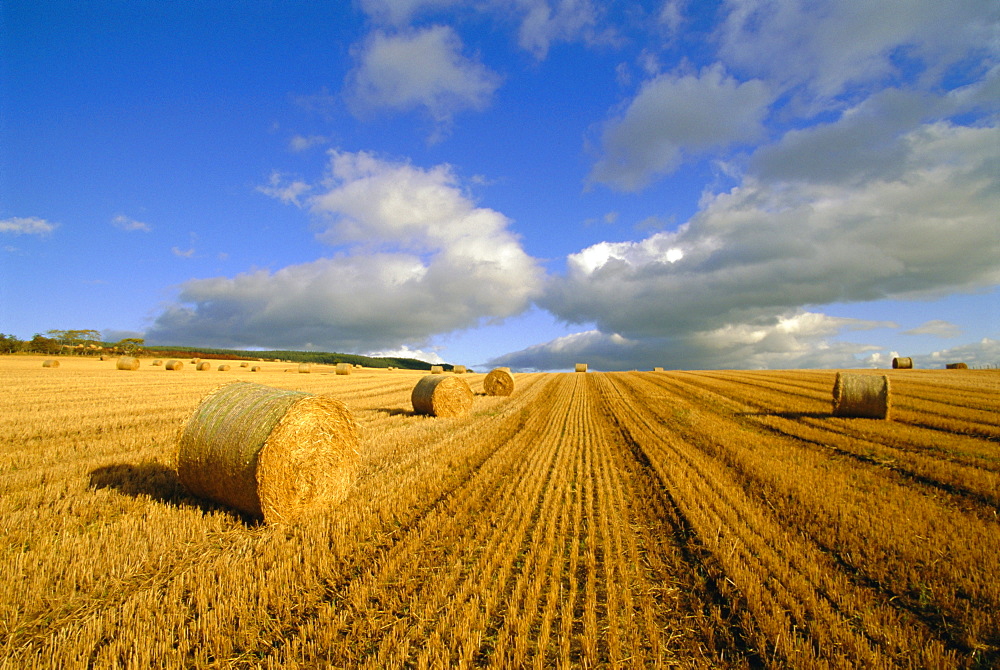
(51, 363)
(581, 367)
(104, 358)
(437, 369)
(305, 368)
(195, 361)
(657, 369)
(499, 382)
(175, 365)
(244, 364)
(441, 396)
(344, 368)
(856, 395)
(269, 452)
(158, 362)
(459, 369)
(203, 366)
(223, 368)
(127, 363)
(900, 363)
(255, 368)
(956, 366)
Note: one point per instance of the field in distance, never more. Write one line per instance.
(627, 519)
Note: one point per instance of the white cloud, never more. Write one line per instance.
(182, 253)
(674, 117)
(400, 12)
(419, 69)
(985, 353)
(287, 191)
(127, 224)
(935, 327)
(300, 143)
(30, 225)
(406, 352)
(421, 259)
(544, 22)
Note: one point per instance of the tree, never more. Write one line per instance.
(9, 344)
(130, 345)
(43, 345)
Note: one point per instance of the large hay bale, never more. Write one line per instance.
(175, 365)
(439, 395)
(856, 395)
(223, 368)
(459, 370)
(499, 382)
(437, 369)
(344, 368)
(305, 368)
(581, 367)
(203, 366)
(127, 363)
(956, 366)
(51, 363)
(900, 363)
(269, 452)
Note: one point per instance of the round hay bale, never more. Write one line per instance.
(657, 369)
(344, 368)
(195, 361)
(459, 370)
(441, 396)
(956, 366)
(104, 358)
(204, 365)
(864, 396)
(269, 452)
(437, 369)
(244, 364)
(305, 368)
(51, 363)
(255, 368)
(581, 367)
(174, 365)
(900, 363)
(158, 362)
(127, 363)
(499, 381)
(223, 368)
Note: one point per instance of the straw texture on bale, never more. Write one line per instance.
(127, 363)
(223, 368)
(902, 363)
(437, 369)
(498, 382)
(581, 367)
(175, 365)
(269, 452)
(305, 368)
(344, 368)
(441, 396)
(459, 370)
(204, 365)
(51, 363)
(957, 366)
(865, 396)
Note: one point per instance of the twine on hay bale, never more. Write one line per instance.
(305, 368)
(437, 369)
(175, 365)
(344, 368)
(269, 452)
(864, 396)
(204, 365)
(581, 367)
(499, 381)
(223, 368)
(127, 363)
(441, 396)
(900, 363)
(956, 366)
(51, 363)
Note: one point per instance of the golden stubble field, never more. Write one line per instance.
(632, 519)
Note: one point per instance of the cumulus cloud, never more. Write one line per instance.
(419, 69)
(122, 222)
(418, 258)
(400, 12)
(982, 354)
(29, 225)
(675, 116)
(935, 327)
(544, 22)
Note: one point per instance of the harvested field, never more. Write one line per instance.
(631, 519)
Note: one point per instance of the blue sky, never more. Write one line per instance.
(530, 183)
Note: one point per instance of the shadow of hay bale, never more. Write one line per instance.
(157, 482)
